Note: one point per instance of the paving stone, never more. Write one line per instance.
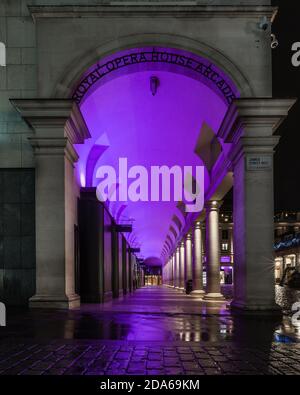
(207, 363)
(171, 362)
(154, 365)
(155, 357)
(95, 356)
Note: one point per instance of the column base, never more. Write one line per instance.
(214, 297)
(256, 309)
(55, 302)
(197, 292)
(108, 296)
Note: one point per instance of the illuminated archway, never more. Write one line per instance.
(170, 126)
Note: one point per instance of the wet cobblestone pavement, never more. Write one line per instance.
(111, 358)
(175, 334)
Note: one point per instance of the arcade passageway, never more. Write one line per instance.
(156, 330)
(101, 270)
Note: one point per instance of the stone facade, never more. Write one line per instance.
(50, 47)
(17, 235)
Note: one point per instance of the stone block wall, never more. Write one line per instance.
(17, 236)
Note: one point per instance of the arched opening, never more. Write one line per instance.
(150, 106)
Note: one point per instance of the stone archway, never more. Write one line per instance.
(247, 128)
(70, 78)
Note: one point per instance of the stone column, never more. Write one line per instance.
(124, 266)
(174, 269)
(230, 242)
(188, 259)
(213, 286)
(177, 258)
(198, 261)
(57, 126)
(170, 271)
(130, 271)
(182, 266)
(249, 126)
(115, 261)
(165, 274)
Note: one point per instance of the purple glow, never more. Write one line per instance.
(126, 120)
(82, 179)
(225, 259)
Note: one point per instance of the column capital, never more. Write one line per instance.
(197, 225)
(53, 118)
(50, 147)
(255, 117)
(213, 205)
(188, 236)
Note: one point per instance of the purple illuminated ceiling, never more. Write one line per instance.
(126, 120)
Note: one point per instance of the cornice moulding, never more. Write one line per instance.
(152, 10)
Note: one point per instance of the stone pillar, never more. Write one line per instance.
(170, 272)
(165, 274)
(174, 269)
(213, 286)
(198, 261)
(182, 266)
(115, 262)
(230, 242)
(249, 126)
(188, 259)
(57, 126)
(177, 259)
(124, 266)
(130, 271)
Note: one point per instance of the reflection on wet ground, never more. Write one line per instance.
(155, 330)
(150, 314)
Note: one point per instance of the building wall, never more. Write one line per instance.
(17, 235)
(40, 54)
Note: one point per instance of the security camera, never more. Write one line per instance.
(274, 41)
(264, 23)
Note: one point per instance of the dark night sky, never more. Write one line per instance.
(286, 83)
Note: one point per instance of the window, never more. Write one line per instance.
(224, 246)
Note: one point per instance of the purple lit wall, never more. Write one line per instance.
(126, 120)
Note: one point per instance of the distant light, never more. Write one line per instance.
(82, 179)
